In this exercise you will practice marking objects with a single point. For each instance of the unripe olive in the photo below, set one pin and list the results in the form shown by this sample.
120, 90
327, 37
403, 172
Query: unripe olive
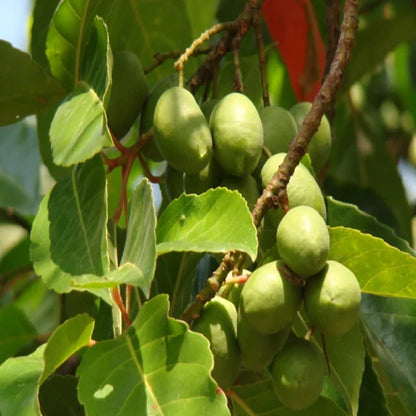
268, 302
257, 349
279, 127
237, 133
151, 150
209, 177
246, 185
301, 190
128, 92
181, 131
302, 239
320, 145
332, 299
298, 373
218, 322
173, 182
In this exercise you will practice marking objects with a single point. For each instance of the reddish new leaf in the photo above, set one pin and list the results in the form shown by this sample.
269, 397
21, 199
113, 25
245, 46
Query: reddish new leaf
293, 28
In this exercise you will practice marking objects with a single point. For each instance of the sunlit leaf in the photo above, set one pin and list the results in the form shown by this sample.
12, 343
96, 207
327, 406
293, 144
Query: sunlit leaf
157, 366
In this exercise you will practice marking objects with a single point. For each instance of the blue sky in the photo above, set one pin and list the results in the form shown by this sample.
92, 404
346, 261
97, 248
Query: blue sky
14, 22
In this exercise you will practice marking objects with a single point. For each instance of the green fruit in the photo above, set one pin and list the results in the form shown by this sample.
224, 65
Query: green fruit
128, 92
208, 106
298, 374
218, 322
173, 183
268, 302
181, 131
320, 145
279, 127
207, 178
151, 151
246, 185
332, 299
301, 190
303, 241
257, 349
237, 133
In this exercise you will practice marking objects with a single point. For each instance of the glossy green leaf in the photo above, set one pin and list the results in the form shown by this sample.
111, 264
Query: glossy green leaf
67, 339
348, 215
140, 247
175, 274
258, 399
97, 66
58, 395
158, 366
215, 221
365, 59
25, 87
16, 331
19, 168
380, 268
79, 128
68, 33
19, 384
69, 236
200, 21
390, 325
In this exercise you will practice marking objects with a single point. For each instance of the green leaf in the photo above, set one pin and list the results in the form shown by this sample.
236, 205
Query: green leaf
158, 366
215, 221
200, 21
67, 36
390, 326
258, 399
97, 66
348, 215
365, 59
19, 168
79, 128
19, 384
59, 394
25, 87
16, 331
380, 268
67, 339
69, 236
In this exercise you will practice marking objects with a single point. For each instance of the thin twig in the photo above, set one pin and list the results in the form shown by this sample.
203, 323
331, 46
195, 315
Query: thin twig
278, 184
11, 215
238, 74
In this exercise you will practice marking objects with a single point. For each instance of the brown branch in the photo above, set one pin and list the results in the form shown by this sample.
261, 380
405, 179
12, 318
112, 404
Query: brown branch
238, 74
11, 215
297, 149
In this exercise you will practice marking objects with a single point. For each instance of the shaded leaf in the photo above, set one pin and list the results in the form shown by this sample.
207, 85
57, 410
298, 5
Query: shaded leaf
16, 331
79, 128
25, 87
348, 215
19, 384
215, 221
67, 339
68, 237
19, 168
380, 268
390, 325
58, 396
157, 366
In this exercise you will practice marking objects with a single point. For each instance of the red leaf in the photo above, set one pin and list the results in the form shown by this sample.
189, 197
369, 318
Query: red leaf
293, 28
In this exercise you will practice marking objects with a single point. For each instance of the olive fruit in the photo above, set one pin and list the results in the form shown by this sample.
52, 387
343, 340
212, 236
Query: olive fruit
279, 127
207, 178
181, 131
298, 373
302, 239
237, 134
268, 302
257, 349
218, 322
246, 185
128, 92
320, 145
332, 299
151, 150
302, 188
